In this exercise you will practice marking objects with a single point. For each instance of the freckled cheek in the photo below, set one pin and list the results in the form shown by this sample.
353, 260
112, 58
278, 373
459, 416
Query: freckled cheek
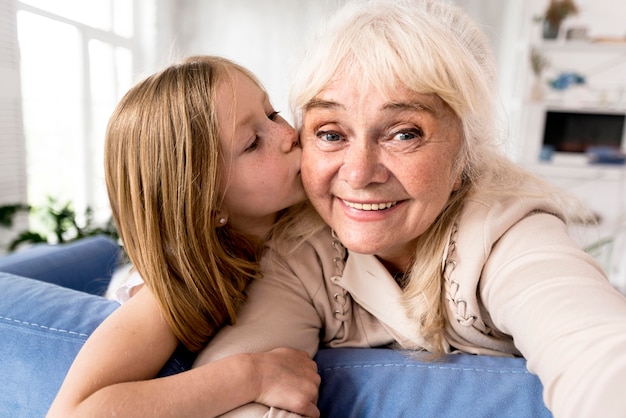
433, 178
307, 171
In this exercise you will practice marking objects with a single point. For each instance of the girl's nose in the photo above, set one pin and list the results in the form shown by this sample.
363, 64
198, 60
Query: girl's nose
290, 140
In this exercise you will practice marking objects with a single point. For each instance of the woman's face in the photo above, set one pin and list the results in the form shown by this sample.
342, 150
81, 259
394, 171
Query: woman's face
262, 159
379, 169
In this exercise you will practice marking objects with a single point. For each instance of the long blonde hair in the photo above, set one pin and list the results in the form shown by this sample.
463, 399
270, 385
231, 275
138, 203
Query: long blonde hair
429, 47
163, 164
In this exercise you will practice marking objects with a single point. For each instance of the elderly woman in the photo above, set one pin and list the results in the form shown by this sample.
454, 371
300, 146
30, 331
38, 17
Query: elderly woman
430, 237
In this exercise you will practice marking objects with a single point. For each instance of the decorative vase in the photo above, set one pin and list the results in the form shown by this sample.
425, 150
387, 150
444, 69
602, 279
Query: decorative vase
536, 91
550, 31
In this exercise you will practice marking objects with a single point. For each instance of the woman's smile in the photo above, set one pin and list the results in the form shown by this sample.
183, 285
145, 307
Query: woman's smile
369, 206
378, 171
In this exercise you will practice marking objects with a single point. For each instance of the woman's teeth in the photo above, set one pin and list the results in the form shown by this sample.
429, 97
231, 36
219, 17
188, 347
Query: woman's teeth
369, 206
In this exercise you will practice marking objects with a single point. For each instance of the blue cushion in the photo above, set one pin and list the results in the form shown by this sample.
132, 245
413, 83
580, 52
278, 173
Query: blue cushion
387, 383
42, 328
86, 264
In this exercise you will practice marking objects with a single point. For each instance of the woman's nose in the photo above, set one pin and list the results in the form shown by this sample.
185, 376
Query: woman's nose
362, 165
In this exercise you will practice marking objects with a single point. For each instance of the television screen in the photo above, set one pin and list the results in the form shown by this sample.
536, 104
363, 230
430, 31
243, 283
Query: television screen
577, 131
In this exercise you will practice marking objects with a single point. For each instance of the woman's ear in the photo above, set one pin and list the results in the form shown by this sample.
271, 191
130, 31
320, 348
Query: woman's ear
458, 181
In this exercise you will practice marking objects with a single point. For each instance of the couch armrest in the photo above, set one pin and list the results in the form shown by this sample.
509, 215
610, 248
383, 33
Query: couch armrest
369, 382
86, 264
42, 328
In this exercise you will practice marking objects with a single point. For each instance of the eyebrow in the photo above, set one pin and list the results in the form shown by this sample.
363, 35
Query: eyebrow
322, 104
419, 106
329, 104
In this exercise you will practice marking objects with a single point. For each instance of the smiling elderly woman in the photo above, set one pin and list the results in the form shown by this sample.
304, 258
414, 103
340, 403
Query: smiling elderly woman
431, 238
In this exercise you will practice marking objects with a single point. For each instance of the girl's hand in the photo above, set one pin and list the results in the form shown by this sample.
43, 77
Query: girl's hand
287, 379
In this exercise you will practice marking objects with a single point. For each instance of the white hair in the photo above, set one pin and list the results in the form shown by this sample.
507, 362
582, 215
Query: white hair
427, 46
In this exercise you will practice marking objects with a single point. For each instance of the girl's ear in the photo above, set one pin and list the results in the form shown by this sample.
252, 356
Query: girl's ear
220, 218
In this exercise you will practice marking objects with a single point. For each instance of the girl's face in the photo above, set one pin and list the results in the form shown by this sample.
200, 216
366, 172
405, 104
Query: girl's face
262, 158
379, 168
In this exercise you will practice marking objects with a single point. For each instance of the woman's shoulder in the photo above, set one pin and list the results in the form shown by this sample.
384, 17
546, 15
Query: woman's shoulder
484, 218
508, 207
317, 244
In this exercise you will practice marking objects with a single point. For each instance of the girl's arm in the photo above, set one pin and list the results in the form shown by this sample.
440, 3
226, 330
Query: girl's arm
113, 373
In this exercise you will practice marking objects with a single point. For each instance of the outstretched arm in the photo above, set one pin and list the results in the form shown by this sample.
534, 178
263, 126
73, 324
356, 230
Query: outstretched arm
113, 373
566, 319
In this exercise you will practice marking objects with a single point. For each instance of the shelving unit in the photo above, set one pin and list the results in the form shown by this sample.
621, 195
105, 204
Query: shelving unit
601, 187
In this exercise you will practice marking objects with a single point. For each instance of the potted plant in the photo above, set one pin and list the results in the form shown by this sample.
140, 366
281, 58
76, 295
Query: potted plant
554, 15
60, 224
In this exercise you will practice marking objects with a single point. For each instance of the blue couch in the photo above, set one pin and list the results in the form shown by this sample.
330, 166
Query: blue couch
43, 325
86, 265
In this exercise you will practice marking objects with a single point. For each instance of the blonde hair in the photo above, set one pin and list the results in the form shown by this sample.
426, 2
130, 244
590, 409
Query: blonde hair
163, 164
429, 47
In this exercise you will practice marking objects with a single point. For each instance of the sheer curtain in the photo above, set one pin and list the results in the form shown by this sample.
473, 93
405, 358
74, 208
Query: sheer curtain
12, 151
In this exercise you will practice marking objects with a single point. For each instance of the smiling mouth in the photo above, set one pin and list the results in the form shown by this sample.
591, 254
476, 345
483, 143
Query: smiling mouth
369, 206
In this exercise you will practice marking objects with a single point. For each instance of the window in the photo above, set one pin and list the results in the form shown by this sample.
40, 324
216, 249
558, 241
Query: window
76, 63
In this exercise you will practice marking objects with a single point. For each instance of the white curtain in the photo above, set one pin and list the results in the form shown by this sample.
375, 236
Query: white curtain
12, 150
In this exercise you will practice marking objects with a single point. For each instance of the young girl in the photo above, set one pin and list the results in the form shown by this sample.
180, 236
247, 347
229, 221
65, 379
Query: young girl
199, 167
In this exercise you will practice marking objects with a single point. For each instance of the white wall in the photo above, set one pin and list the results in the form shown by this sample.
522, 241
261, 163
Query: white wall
262, 35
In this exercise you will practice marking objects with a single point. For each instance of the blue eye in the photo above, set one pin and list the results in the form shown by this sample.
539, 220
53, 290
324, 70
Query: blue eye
405, 136
329, 136
408, 135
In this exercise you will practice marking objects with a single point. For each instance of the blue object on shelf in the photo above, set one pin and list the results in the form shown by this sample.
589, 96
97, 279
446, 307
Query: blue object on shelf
565, 80
605, 155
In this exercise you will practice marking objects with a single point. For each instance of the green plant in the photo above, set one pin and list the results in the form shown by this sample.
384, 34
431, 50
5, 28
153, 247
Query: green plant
558, 10
8, 212
59, 223
538, 61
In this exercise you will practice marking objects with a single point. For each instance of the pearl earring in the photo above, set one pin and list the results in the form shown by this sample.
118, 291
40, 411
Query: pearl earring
222, 221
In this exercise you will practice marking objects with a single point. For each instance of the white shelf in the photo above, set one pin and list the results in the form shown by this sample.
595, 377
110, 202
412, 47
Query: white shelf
574, 46
576, 168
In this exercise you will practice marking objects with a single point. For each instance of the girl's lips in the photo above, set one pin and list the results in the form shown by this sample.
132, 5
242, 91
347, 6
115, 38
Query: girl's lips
369, 206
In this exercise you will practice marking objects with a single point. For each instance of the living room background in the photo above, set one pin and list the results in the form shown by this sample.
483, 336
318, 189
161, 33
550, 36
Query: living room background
65, 64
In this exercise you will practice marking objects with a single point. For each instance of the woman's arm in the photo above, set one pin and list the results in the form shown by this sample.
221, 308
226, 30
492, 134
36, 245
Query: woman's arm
113, 374
280, 310
564, 316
